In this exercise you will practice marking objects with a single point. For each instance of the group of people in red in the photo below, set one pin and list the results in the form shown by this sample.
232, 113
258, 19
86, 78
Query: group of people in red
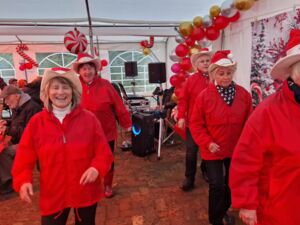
250, 158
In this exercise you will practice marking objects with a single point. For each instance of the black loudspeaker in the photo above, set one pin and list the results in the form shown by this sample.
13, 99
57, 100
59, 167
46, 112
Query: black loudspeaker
131, 69
157, 73
142, 134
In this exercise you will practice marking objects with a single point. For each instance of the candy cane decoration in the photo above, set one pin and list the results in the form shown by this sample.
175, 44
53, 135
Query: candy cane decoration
20, 50
147, 44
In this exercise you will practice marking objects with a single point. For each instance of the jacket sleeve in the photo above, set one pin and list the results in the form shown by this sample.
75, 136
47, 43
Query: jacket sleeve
248, 161
103, 155
198, 124
25, 159
122, 113
182, 103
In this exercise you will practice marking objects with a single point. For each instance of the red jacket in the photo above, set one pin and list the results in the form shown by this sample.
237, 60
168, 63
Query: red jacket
191, 89
64, 151
101, 98
214, 121
265, 168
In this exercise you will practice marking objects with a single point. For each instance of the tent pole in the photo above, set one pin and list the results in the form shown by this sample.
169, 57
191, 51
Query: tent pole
90, 27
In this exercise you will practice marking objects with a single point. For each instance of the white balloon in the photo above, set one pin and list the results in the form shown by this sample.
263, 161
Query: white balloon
179, 39
228, 9
207, 22
204, 43
174, 57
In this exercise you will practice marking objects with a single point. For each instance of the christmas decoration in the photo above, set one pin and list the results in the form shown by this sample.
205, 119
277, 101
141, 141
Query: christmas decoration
20, 50
75, 41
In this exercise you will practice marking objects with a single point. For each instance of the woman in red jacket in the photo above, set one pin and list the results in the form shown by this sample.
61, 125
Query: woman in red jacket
218, 118
100, 97
186, 100
72, 151
265, 170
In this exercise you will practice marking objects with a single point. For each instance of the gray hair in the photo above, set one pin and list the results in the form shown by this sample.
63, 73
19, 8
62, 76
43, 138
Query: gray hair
76, 96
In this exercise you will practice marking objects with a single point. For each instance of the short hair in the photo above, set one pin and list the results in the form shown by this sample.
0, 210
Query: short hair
76, 96
88, 63
213, 72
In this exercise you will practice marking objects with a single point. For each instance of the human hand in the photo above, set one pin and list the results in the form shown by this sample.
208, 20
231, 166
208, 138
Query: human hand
181, 123
128, 129
213, 147
89, 176
248, 216
26, 191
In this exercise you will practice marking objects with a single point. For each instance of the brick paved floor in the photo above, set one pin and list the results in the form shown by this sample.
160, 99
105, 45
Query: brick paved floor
147, 193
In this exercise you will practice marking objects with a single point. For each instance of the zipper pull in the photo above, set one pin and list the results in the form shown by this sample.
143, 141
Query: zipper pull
64, 139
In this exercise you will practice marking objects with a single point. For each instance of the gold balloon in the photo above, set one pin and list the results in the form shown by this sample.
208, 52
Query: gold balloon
174, 98
146, 51
198, 21
243, 5
214, 11
186, 28
194, 51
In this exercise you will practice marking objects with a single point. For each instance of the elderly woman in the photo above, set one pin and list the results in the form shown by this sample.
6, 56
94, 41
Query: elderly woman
265, 171
186, 100
100, 97
218, 118
72, 151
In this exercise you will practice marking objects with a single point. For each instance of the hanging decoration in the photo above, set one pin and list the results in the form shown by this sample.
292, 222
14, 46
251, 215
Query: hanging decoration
199, 34
75, 41
28, 61
147, 45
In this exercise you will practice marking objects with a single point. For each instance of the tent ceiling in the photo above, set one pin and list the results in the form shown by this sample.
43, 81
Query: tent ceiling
49, 18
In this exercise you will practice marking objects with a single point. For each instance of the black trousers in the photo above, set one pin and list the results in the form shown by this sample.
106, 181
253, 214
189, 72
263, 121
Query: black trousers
219, 192
112, 148
191, 156
83, 216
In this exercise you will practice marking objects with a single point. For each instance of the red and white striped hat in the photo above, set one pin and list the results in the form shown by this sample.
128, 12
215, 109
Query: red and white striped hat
282, 68
222, 58
86, 58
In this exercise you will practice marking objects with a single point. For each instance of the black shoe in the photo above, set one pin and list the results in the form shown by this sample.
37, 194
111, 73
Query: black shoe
6, 188
188, 184
228, 220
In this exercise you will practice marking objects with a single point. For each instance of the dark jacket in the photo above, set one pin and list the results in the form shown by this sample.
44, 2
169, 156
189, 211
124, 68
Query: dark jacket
21, 116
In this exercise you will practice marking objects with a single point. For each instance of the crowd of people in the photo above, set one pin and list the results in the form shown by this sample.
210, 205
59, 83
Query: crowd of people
250, 157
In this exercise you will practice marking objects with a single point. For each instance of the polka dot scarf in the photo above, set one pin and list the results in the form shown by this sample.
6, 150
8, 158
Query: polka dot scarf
227, 93
295, 89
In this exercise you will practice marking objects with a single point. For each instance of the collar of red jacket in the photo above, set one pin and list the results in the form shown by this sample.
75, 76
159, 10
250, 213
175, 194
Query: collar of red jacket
72, 114
91, 84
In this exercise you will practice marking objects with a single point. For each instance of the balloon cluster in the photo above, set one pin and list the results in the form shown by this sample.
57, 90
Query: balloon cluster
30, 62
147, 45
200, 33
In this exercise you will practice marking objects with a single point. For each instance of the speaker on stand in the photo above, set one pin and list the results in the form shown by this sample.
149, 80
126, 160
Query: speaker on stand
157, 75
131, 70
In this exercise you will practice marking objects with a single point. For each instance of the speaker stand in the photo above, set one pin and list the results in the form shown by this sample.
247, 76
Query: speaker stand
133, 86
161, 121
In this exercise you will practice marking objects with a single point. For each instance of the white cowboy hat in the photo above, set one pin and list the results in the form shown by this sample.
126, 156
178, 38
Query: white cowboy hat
86, 58
282, 68
222, 58
196, 56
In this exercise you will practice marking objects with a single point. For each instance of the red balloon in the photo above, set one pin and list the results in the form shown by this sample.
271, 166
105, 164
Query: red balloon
221, 22
175, 68
104, 62
190, 41
182, 50
235, 17
198, 33
174, 80
182, 76
22, 67
28, 66
143, 43
212, 33
186, 64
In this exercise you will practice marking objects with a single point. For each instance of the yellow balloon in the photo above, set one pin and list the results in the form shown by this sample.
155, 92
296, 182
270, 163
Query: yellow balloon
146, 51
174, 98
186, 28
198, 21
214, 11
243, 5
194, 51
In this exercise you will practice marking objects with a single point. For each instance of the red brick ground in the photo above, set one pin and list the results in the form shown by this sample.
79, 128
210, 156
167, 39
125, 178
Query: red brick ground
147, 193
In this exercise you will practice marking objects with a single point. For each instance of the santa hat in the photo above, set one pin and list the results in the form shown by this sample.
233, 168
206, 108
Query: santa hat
66, 73
282, 68
222, 58
83, 58
196, 56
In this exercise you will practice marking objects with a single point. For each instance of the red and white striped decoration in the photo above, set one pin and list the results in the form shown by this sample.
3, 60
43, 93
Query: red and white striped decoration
20, 50
75, 41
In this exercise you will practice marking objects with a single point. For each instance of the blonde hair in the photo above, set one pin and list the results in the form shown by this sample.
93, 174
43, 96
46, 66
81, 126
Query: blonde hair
213, 72
295, 71
76, 96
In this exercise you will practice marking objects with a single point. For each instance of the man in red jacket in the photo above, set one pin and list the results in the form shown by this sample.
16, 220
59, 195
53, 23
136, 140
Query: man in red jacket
192, 87
100, 97
265, 168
